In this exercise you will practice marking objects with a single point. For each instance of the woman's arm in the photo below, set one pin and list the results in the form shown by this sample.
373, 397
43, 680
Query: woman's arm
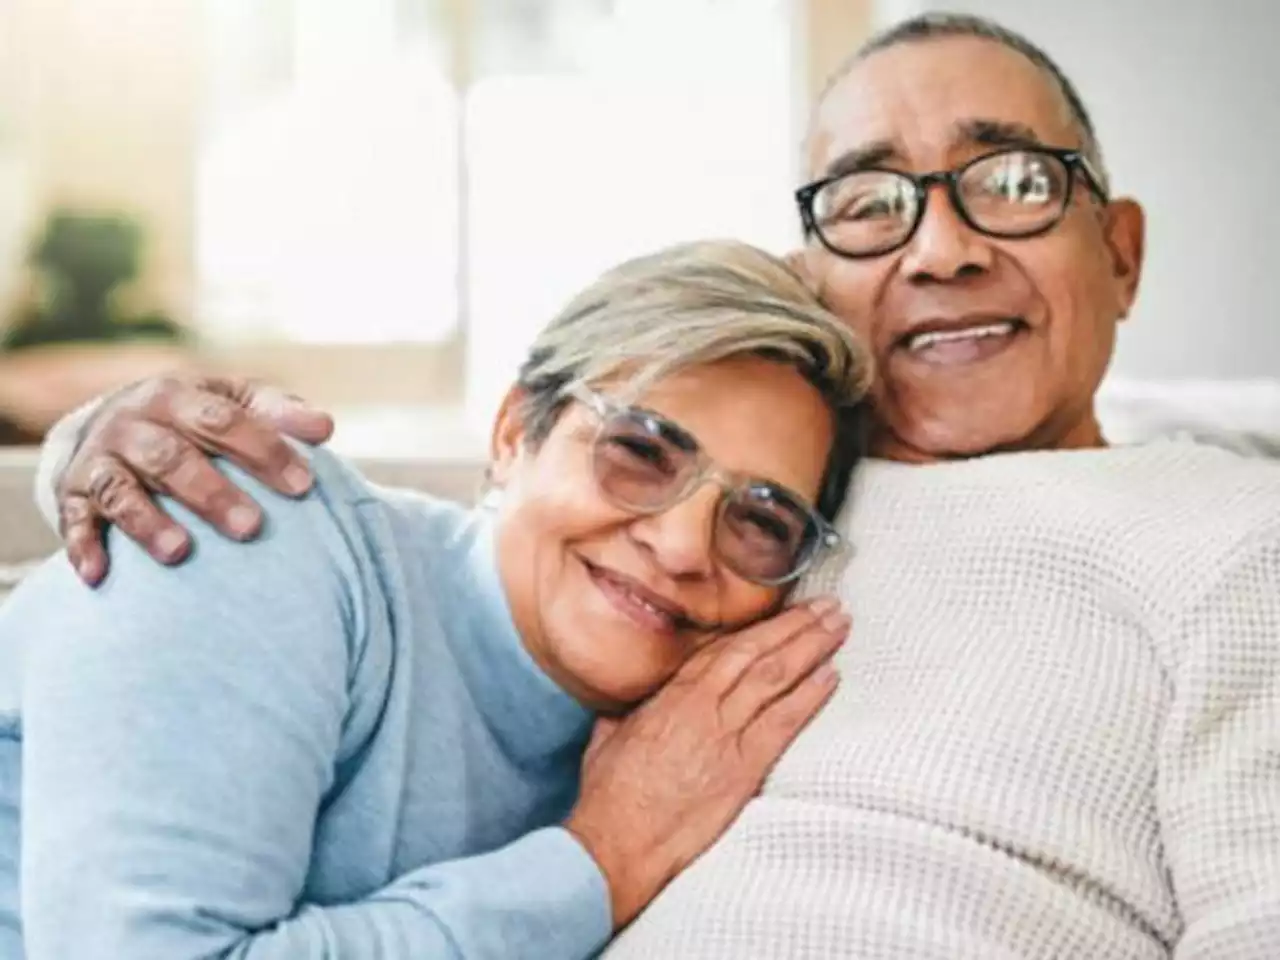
1219, 786
180, 733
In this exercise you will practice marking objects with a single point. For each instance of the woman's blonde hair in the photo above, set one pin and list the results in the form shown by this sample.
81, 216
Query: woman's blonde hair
695, 304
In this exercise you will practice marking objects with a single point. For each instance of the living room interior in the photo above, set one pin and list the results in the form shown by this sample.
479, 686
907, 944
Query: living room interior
377, 204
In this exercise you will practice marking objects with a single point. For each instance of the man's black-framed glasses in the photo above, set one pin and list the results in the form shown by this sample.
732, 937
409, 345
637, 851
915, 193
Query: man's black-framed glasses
1012, 193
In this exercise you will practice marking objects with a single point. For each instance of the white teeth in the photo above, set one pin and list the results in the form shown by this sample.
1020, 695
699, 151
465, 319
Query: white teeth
641, 601
922, 341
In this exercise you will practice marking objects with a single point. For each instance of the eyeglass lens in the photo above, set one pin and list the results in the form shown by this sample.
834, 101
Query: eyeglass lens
1013, 193
645, 463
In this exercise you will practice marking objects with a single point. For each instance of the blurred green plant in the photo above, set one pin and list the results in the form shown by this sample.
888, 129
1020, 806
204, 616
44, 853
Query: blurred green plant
82, 261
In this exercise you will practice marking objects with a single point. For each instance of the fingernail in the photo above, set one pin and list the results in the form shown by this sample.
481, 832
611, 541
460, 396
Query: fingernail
827, 673
297, 478
242, 520
823, 606
171, 543
836, 622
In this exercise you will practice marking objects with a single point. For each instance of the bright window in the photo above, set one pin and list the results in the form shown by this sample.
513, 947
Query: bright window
403, 171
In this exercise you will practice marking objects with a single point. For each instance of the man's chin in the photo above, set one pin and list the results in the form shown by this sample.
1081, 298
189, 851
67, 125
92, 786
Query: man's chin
940, 441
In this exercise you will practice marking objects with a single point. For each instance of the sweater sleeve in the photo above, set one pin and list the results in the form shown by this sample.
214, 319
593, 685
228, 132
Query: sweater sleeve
1219, 782
180, 731
59, 446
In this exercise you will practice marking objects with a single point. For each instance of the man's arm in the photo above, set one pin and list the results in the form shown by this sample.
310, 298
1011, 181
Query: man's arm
103, 464
59, 446
1219, 786
181, 729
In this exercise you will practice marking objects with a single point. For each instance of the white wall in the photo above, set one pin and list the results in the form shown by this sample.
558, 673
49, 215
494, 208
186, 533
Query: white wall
1186, 96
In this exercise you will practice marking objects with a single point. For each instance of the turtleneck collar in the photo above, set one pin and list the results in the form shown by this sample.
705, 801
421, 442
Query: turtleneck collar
533, 718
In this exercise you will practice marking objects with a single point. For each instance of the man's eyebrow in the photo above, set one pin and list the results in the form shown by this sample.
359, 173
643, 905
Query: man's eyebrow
980, 132
997, 133
868, 155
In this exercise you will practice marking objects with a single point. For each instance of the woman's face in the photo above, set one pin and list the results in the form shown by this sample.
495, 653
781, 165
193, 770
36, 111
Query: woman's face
611, 601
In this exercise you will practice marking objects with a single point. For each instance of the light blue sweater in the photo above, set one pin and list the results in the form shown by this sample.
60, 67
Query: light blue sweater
329, 743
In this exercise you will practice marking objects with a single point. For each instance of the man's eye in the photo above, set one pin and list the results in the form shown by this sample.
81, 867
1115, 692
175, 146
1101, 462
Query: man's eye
875, 205
879, 205
1021, 183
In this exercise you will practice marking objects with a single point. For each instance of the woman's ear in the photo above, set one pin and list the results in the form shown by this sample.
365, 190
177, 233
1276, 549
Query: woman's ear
507, 440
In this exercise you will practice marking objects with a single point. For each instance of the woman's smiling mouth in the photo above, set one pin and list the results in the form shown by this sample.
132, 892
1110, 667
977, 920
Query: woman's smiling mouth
640, 604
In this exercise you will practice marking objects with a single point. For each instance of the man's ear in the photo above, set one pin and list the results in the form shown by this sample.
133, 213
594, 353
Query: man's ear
507, 440
1126, 234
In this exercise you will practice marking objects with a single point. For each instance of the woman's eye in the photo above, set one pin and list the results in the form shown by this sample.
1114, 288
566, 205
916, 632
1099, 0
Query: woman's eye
764, 524
641, 451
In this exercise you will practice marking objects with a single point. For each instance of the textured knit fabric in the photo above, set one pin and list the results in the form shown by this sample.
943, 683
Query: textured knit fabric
329, 743
1057, 735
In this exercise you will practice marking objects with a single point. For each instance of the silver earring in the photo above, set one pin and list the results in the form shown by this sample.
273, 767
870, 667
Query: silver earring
490, 498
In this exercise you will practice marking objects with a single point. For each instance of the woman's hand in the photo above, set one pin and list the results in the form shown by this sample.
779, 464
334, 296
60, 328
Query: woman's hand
158, 437
662, 784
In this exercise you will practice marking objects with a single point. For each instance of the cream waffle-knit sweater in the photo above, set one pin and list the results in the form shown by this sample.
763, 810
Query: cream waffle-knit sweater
1057, 736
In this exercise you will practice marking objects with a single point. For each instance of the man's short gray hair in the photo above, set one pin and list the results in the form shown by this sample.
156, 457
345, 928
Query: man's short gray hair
695, 304
935, 25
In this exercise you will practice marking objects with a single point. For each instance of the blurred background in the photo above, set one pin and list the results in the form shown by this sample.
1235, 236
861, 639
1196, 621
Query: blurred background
378, 202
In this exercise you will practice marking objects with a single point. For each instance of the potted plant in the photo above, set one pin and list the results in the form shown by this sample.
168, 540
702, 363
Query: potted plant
75, 338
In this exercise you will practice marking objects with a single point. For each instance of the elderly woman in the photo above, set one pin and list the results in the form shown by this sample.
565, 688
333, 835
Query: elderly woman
363, 735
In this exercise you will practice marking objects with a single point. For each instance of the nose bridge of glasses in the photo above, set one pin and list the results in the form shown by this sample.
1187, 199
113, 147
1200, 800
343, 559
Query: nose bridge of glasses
944, 240
947, 184
681, 532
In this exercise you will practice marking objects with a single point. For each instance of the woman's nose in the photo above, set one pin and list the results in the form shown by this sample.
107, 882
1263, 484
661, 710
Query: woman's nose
681, 537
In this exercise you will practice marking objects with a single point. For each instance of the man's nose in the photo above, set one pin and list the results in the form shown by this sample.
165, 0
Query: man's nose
680, 538
945, 247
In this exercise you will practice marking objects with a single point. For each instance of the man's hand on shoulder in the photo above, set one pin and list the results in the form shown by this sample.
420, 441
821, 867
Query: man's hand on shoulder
158, 437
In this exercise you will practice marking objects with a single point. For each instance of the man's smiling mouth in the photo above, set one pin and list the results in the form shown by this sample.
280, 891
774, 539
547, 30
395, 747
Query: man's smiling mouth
946, 344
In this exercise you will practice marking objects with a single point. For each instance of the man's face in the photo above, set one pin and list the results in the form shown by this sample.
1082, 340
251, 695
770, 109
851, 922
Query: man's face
1047, 305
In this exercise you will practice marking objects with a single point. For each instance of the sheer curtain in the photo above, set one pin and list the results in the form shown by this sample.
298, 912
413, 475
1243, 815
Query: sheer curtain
598, 130
327, 188
398, 171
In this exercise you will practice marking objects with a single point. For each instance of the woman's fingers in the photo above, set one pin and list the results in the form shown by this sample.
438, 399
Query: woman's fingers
720, 665
776, 673
660, 785
781, 721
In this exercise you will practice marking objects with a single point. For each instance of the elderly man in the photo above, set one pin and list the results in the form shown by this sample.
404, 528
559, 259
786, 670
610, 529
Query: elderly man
1058, 733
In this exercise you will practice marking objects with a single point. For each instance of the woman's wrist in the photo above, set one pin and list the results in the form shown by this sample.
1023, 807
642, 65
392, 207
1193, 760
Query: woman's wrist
631, 880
